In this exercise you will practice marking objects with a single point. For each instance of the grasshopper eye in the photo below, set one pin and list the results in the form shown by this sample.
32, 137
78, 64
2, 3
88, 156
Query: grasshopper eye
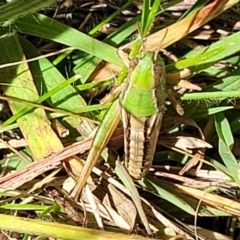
159, 73
157, 69
133, 63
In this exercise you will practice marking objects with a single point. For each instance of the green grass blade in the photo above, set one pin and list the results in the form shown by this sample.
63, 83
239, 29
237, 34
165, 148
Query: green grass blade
24, 207
225, 144
59, 231
223, 129
199, 60
109, 18
144, 16
89, 86
229, 160
29, 106
166, 193
151, 15
19, 8
213, 96
123, 32
229, 83
47, 28
209, 111
129, 184
19, 82
203, 58
235, 124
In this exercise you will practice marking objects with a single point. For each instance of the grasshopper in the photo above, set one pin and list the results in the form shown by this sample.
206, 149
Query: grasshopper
141, 105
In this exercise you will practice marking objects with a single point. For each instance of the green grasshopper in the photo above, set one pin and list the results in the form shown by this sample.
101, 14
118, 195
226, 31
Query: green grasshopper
141, 106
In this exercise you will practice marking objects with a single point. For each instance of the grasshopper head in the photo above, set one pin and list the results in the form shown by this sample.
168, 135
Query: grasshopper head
147, 72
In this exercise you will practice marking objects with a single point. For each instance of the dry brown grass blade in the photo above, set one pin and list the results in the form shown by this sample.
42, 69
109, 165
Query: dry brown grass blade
222, 203
182, 28
110, 201
113, 205
187, 25
14, 180
122, 204
156, 218
73, 168
65, 204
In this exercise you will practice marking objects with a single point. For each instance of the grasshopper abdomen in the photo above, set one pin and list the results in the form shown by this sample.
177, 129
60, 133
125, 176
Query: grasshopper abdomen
140, 140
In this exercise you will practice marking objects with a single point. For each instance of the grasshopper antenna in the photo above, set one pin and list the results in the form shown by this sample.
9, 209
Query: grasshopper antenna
160, 44
141, 38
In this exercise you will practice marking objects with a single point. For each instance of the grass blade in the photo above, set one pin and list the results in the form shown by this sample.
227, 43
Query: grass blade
15, 9
166, 193
225, 145
223, 129
58, 231
129, 184
19, 82
47, 28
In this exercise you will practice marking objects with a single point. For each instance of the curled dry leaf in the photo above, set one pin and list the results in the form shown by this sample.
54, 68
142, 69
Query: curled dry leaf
189, 85
184, 143
60, 129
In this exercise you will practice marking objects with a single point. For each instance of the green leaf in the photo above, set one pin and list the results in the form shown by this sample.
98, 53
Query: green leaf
47, 28
129, 184
229, 160
167, 193
201, 59
58, 231
15, 9
223, 129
